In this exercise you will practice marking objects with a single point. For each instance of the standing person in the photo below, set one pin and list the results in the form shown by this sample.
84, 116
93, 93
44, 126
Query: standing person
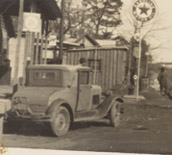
162, 78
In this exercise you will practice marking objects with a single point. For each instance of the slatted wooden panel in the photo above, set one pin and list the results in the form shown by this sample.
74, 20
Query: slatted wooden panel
112, 65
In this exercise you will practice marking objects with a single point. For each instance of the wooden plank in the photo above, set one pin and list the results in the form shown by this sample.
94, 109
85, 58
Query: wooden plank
108, 70
119, 68
123, 69
67, 58
19, 32
45, 50
92, 57
114, 66
25, 57
122, 66
88, 55
77, 57
37, 48
105, 70
99, 72
119, 76
72, 58
73, 54
117, 55
32, 47
111, 69
41, 49
125, 63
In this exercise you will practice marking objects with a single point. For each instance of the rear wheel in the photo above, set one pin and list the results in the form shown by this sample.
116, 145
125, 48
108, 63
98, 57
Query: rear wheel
115, 115
60, 121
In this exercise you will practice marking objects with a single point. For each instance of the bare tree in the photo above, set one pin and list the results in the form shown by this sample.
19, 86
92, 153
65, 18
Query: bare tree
73, 18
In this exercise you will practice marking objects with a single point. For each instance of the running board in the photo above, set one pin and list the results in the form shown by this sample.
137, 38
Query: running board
87, 116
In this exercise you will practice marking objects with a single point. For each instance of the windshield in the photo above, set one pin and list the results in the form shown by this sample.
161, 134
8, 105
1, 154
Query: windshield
49, 78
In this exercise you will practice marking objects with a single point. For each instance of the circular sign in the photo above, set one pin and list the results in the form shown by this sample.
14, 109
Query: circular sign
31, 22
144, 10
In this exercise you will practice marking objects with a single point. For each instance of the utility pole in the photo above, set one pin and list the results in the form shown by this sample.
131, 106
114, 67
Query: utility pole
19, 32
61, 32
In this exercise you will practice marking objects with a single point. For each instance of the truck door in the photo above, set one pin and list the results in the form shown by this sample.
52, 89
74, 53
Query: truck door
84, 91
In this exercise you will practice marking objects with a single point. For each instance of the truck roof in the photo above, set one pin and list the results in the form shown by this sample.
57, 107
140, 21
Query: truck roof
55, 66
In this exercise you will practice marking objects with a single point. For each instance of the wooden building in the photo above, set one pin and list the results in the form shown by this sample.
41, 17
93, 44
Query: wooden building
22, 47
108, 64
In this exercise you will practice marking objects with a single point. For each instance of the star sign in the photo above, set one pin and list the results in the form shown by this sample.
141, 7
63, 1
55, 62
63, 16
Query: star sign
144, 9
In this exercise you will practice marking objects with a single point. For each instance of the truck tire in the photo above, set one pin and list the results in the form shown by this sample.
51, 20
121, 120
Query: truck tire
115, 115
60, 121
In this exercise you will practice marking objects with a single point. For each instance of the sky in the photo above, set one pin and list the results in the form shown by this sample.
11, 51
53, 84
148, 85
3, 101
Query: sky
158, 32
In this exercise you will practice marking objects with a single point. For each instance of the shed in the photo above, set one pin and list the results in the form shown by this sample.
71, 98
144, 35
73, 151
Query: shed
108, 64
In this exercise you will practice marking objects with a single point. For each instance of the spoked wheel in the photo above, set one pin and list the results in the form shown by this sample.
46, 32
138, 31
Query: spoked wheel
60, 121
115, 115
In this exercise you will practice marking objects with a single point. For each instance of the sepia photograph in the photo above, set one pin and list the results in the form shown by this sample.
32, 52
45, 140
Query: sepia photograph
85, 77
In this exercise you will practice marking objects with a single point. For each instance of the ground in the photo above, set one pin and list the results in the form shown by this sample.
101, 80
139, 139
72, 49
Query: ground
145, 128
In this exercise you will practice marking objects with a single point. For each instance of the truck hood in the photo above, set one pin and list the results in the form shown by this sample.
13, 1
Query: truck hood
37, 95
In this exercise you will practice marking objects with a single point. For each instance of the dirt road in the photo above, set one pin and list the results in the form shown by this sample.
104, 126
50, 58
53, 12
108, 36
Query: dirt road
145, 128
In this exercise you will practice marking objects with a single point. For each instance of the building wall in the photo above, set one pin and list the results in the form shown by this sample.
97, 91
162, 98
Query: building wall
12, 57
112, 66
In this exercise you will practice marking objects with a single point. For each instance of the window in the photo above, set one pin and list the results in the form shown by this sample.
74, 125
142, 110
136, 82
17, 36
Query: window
84, 77
45, 75
46, 78
95, 64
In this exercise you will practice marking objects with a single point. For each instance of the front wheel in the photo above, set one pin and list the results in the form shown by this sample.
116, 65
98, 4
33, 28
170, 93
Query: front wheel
115, 114
60, 121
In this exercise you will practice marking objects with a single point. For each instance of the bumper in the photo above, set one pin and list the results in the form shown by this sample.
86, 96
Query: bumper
13, 115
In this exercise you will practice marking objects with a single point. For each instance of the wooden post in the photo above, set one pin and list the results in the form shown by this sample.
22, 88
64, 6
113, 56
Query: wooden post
2, 111
19, 32
37, 50
25, 57
41, 49
32, 47
46, 42
61, 31
45, 51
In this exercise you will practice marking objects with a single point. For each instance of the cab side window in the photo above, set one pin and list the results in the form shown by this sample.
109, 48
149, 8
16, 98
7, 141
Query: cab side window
84, 77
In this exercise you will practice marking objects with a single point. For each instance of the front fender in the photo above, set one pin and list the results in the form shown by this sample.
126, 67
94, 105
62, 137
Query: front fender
105, 107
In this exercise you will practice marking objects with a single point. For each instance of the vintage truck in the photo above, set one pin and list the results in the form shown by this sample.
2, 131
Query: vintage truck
60, 95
